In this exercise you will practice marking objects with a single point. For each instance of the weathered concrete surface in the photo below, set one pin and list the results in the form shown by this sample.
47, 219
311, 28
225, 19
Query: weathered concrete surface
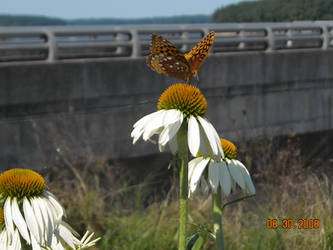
84, 106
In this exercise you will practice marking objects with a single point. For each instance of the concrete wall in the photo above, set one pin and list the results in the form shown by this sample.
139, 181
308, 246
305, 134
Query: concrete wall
67, 110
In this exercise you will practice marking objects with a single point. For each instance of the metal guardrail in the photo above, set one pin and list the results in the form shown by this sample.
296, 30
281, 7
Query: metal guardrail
53, 43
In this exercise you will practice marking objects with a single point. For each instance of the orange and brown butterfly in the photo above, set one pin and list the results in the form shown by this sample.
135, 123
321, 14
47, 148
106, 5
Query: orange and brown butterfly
166, 59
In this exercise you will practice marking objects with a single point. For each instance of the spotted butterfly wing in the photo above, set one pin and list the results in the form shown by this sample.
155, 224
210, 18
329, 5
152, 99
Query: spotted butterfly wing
166, 59
198, 54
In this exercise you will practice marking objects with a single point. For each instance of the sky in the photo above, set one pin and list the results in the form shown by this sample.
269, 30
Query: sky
72, 9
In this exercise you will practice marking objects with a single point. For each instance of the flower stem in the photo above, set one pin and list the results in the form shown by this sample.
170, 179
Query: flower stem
183, 184
217, 217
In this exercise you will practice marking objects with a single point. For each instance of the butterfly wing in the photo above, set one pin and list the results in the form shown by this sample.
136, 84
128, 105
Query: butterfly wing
198, 54
166, 59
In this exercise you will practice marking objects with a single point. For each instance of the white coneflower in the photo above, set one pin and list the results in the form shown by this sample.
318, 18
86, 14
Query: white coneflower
33, 212
181, 104
6, 241
225, 172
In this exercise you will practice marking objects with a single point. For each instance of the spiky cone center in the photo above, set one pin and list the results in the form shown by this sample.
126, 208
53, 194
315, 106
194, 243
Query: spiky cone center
229, 149
184, 97
21, 183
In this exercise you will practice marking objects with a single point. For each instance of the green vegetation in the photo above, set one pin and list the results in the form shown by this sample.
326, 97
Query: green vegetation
275, 11
143, 214
26, 20
152, 20
23, 20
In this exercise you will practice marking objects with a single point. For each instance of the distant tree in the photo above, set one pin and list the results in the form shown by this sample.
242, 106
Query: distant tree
23, 20
275, 11
153, 20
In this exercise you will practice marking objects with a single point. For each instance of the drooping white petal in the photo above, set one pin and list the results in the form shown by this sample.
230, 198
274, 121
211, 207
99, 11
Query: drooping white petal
217, 139
146, 118
8, 217
204, 148
225, 179
205, 187
196, 168
48, 220
34, 244
140, 126
191, 166
19, 221
247, 177
52, 212
41, 222
168, 133
154, 126
236, 173
56, 243
173, 121
193, 136
172, 116
173, 145
161, 148
16, 244
59, 209
213, 174
4, 241
31, 221
210, 136
66, 235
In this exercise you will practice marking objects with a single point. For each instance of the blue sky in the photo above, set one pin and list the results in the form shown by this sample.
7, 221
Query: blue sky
111, 8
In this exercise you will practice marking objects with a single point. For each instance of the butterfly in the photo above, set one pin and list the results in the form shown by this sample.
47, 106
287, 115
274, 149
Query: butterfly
166, 59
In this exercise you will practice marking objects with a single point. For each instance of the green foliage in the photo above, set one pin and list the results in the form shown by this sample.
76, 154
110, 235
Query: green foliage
152, 20
194, 242
26, 20
129, 214
275, 11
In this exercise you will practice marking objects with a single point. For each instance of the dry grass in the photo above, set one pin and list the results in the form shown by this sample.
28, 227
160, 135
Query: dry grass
132, 214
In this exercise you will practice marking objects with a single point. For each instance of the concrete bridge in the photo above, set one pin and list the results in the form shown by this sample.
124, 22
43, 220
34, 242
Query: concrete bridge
66, 92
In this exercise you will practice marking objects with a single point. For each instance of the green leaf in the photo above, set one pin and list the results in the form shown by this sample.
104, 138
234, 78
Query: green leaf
203, 229
194, 242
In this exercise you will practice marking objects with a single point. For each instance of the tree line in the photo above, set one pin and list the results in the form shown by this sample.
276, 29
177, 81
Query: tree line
247, 11
275, 11
27, 20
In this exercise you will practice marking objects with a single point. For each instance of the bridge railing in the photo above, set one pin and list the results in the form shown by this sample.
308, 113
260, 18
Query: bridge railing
53, 43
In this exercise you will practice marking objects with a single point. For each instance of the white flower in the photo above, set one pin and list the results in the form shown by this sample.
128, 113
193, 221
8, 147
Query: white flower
224, 173
10, 242
179, 104
40, 224
201, 135
33, 214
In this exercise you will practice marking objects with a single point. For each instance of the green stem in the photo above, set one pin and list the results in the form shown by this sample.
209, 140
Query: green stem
183, 184
217, 217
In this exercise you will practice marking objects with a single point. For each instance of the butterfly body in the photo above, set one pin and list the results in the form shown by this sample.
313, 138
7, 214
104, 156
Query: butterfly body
166, 59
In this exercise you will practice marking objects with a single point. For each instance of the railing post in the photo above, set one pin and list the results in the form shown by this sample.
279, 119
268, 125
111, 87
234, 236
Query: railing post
136, 46
185, 36
241, 35
270, 39
52, 45
325, 37
120, 37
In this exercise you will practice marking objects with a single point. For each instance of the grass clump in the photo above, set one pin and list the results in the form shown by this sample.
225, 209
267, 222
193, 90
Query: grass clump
135, 209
